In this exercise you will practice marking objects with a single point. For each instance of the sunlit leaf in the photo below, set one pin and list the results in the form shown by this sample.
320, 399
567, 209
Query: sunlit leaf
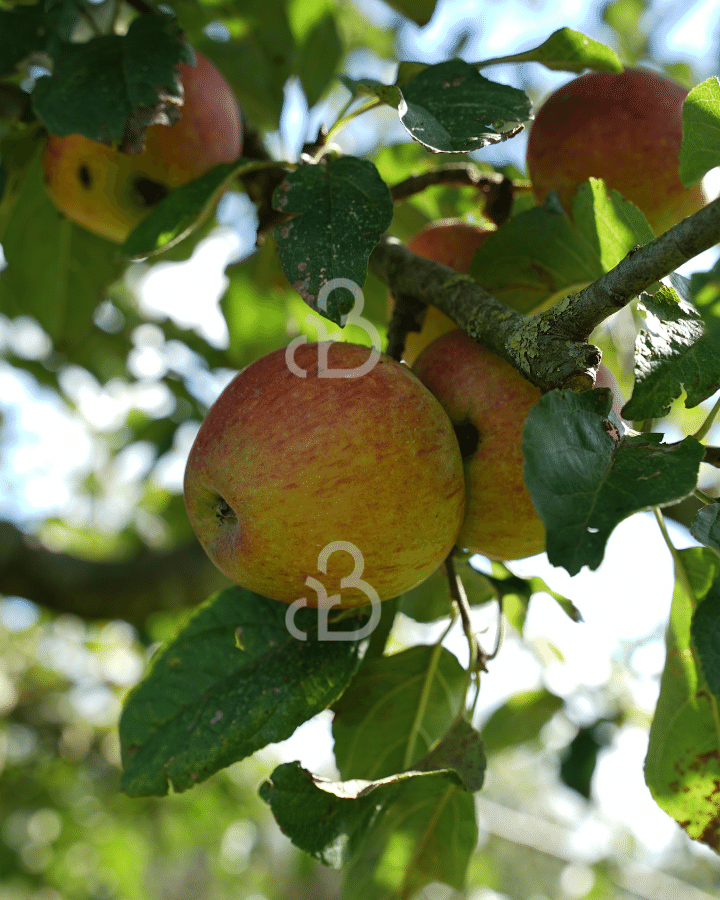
568, 51
682, 767
700, 150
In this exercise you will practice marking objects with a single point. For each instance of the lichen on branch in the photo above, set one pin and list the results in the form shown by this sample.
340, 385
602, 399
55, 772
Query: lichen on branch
550, 348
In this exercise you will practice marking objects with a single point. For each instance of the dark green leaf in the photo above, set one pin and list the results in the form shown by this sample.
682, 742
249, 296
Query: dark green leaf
584, 479
96, 85
367, 826
706, 526
451, 108
260, 58
461, 750
23, 30
425, 833
418, 11
231, 682
705, 633
580, 758
341, 208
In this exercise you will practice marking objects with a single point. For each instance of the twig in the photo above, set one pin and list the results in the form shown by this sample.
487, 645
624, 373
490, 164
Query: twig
712, 456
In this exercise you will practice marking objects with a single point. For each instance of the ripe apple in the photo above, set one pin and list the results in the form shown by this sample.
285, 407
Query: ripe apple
625, 128
284, 465
109, 192
453, 243
487, 401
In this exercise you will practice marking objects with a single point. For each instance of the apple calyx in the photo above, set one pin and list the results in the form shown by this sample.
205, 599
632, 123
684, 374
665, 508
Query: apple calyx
224, 511
468, 437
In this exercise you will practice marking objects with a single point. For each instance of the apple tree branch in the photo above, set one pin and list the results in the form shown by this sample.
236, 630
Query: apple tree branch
550, 348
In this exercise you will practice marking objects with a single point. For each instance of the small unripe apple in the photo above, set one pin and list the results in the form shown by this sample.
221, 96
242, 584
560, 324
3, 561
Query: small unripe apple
284, 465
625, 128
453, 243
108, 192
488, 402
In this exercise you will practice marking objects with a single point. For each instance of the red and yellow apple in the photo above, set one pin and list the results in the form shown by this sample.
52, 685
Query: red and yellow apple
487, 401
453, 243
625, 128
284, 465
108, 192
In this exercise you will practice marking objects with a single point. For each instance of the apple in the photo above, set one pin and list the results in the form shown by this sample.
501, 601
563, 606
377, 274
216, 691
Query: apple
284, 465
625, 128
108, 192
453, 243
487, 401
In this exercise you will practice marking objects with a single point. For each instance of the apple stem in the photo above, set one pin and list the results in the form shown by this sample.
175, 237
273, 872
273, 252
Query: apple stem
459, 596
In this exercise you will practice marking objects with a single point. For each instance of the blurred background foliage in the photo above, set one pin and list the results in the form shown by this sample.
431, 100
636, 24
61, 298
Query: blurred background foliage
103, 382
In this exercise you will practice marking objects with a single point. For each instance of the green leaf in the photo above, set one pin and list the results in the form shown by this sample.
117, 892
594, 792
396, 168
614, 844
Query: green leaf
682, 766
430, 600
231, 682
567, 51
700, 150
706, 526
705, 633
23, 30
395, 709
672, 353
392, 836
540, 254
519, 720
580, 757
451, 108
418, 11
625, 18
389, 94
341, 208
462, 750
584, 479
184, 209
96, 85
259, 59
424, 833
320, 56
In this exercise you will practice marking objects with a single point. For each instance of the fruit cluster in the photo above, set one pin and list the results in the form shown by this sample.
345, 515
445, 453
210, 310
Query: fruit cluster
399, 464
373, 478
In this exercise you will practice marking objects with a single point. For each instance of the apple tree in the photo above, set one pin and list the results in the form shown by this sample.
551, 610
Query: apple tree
117, 160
